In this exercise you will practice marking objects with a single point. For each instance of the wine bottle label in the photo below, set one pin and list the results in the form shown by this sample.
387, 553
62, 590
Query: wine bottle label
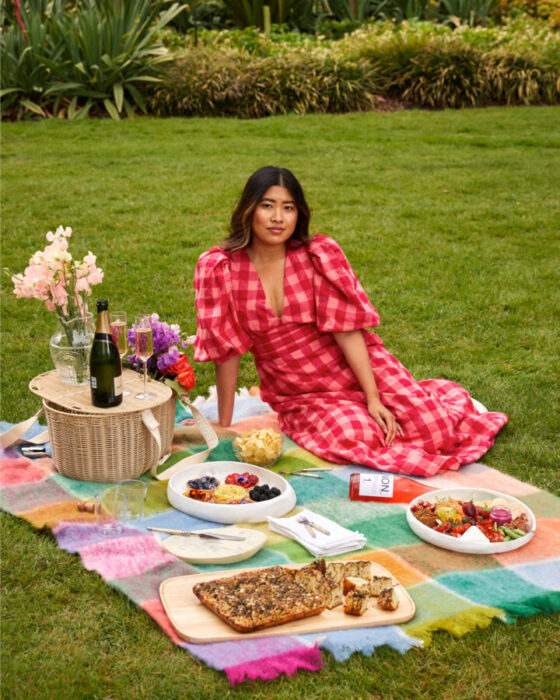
376, 485
118, 386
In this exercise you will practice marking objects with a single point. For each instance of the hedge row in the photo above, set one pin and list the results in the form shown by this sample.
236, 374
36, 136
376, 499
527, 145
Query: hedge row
426, 73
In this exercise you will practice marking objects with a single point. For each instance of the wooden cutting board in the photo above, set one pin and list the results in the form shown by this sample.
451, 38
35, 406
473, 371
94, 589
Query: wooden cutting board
195, 623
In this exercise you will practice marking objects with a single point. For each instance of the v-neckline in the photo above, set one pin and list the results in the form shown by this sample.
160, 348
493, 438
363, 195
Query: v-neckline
263, 291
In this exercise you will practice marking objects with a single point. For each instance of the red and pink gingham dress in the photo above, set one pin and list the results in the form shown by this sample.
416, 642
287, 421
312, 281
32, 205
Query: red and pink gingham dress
305, 377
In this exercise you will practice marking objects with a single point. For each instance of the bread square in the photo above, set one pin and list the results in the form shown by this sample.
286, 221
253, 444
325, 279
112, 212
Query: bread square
356, 602
258, 599
388, 599
380, 583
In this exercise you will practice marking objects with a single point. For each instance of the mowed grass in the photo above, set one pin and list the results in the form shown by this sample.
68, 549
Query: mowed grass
451, 220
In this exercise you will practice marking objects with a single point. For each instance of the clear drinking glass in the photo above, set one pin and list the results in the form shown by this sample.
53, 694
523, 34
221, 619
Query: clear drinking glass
110, 511
135, 491
144, 348
119, 331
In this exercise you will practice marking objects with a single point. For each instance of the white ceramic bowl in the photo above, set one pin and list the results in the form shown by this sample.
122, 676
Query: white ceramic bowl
467, 546
224, 512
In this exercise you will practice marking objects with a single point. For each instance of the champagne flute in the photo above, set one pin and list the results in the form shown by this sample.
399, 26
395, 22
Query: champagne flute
119, 331
143, 348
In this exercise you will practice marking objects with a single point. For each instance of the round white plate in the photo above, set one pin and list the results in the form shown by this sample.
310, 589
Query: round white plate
468, 545
198, 550
225, 512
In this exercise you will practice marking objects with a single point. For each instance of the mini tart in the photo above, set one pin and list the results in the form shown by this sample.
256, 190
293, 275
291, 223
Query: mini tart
229, 493
204, 495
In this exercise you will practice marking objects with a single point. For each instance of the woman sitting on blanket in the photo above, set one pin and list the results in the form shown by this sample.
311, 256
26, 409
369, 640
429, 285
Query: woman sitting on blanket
296, 304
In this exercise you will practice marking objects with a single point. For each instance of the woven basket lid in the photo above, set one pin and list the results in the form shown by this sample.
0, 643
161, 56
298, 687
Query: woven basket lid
78, 398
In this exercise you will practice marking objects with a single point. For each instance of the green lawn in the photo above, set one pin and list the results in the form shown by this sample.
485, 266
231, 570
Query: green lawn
451, 220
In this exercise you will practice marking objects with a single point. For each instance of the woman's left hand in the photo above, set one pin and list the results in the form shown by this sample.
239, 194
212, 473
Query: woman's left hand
385, 420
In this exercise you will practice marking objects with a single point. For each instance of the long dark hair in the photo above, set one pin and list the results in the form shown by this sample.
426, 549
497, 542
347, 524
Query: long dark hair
259, 182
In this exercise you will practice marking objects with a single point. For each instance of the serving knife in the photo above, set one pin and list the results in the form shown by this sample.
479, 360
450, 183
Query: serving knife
198, 534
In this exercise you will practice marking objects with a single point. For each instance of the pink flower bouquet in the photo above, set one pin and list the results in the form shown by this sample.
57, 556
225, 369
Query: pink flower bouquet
53, 276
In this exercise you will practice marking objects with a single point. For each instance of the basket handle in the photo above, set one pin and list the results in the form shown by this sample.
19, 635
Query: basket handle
208, 433
16, 432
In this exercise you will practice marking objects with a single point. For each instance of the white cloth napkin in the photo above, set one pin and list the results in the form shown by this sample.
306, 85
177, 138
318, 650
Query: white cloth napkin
338, 541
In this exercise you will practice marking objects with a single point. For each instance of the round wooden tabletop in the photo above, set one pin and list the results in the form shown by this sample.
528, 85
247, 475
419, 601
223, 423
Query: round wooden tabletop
78, 398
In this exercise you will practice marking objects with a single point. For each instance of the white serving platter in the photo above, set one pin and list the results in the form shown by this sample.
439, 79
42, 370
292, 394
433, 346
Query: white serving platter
468, 545
199, 550
224, 512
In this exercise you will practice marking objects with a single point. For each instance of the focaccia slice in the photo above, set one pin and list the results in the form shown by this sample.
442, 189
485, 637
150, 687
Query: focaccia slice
380, 583
388, 599
356, 602
258, 599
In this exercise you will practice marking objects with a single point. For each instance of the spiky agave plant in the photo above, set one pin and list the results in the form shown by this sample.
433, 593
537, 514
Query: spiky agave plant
97, 55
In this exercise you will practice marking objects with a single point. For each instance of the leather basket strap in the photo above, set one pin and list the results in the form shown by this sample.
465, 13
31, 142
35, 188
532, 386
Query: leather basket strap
16, 433
206, 430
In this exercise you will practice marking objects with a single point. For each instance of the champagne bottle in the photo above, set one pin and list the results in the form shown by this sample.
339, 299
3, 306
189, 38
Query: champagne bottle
105, 362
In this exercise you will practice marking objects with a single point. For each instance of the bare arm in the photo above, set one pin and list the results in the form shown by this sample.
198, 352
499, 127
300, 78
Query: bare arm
226, 381
354, 348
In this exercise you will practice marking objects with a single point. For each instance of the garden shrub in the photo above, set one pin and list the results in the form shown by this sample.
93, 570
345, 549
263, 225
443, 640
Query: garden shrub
245, 73
418, 68
228, 82
515, 78
434, 72
543, 9
438, 75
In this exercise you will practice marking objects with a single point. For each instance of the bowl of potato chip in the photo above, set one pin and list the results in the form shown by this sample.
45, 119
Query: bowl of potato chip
261, 447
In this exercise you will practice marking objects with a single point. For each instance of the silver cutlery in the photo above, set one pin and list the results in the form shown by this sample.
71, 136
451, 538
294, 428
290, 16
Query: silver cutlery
34, 451
311, 527
301, 473
208, 535
315, 469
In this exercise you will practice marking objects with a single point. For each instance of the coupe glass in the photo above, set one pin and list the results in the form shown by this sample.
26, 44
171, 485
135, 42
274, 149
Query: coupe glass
143, 348
119, 331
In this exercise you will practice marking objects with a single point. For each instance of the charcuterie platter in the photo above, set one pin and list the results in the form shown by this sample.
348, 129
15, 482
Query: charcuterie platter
472, 521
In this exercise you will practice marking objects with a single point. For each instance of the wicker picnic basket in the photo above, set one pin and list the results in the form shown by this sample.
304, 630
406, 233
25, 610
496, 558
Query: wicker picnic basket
106, 445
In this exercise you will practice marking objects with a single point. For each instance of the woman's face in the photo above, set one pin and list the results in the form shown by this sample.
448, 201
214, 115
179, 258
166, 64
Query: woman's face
275, 217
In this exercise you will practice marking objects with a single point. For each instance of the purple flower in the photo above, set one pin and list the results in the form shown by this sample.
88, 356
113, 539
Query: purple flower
167, 359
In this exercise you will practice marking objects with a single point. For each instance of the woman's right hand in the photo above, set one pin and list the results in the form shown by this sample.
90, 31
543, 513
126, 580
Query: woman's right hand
385, 420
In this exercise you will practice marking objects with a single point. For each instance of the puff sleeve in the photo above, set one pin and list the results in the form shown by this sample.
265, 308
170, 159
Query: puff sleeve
219, 335
340, 301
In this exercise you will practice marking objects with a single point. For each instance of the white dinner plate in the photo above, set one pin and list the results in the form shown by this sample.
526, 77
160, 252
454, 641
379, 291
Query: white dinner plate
224, 512
468, 545
198, 550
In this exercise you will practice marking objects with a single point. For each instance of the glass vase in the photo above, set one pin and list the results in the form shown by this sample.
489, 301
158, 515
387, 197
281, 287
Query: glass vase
70, 347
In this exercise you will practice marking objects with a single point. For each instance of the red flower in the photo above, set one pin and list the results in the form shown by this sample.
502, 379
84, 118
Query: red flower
182, 371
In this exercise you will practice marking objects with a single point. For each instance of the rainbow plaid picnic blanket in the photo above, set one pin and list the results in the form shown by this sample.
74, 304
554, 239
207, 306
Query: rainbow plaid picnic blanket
453, 592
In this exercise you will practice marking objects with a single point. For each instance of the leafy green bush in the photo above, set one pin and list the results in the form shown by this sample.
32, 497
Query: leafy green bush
228, 82
94, 56
417, 65
447, 71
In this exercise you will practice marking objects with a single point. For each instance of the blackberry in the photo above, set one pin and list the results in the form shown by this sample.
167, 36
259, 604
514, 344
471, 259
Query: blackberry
263, 493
